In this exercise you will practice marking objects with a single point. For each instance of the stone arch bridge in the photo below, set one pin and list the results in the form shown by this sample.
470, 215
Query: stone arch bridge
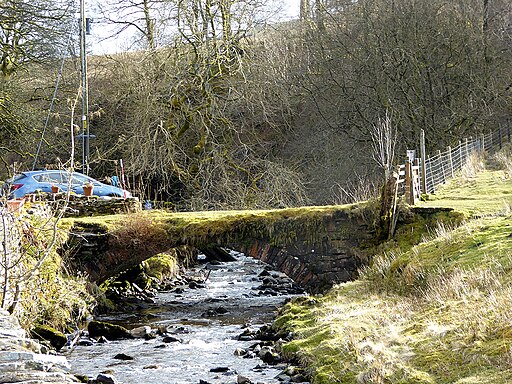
315, 246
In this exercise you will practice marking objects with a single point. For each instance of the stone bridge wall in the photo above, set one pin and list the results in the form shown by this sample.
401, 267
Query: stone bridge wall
316, 251
333, 256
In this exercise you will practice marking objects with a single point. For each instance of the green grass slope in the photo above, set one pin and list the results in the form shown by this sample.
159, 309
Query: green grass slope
437, 312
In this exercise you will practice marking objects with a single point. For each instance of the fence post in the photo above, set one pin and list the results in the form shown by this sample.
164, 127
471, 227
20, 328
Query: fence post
499, 137
431, 175
442, 166
417, 180
423, 162
508, 130
450, 161
460, 153
467, 151
409, 177
482, 140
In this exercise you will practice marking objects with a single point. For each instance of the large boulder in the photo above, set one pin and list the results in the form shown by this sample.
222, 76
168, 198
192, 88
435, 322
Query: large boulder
109, 331
46, 333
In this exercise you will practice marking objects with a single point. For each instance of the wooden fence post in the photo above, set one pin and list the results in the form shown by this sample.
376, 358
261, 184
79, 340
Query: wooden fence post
499, 137
440, 155
460, 153
409, 177
467, 151
450, 161
423, 162
431, 174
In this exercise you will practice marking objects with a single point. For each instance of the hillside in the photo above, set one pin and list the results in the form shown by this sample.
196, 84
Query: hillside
438, 312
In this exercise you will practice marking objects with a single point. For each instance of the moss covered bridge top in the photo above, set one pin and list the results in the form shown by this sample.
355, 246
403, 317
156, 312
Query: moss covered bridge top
316, 246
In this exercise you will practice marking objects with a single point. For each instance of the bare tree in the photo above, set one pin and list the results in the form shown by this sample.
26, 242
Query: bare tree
33, 30
384, 139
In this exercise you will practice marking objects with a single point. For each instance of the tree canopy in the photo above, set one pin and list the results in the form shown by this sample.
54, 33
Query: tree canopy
223, 106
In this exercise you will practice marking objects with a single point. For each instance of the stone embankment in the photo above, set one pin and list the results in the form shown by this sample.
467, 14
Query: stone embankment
23, 360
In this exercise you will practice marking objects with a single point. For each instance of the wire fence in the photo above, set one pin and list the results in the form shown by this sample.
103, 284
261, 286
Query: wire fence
425, 174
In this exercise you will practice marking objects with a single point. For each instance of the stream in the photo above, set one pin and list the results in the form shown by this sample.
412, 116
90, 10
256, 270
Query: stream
207, 321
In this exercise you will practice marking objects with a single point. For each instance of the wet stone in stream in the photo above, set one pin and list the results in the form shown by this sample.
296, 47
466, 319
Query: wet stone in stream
208, 331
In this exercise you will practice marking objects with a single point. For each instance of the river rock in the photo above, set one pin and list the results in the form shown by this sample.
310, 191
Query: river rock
269, 356
152, 366
266, 333
87, 342
179, 331
247, 335
46, 333
21, 360
110, 331
141, 332
284, 378
171, 339
213, 312
195, 285
219, 369
105, 379
122, 356
242, 380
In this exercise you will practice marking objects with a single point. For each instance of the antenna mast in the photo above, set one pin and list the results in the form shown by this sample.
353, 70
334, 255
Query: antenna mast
85, 91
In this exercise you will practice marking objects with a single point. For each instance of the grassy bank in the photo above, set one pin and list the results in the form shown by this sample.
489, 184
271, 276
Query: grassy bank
437, 312
36, 284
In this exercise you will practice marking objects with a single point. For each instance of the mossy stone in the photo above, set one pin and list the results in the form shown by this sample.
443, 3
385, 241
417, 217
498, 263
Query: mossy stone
46, 333
110, 331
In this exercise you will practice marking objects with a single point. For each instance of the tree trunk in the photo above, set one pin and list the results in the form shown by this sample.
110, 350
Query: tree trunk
150, 31
305, 7
387, 201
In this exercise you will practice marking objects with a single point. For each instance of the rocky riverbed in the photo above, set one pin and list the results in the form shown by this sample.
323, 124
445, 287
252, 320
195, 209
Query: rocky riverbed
212, 331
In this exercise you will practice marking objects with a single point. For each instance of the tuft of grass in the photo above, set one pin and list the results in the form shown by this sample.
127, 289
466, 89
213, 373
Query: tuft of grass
503, 159
474, 165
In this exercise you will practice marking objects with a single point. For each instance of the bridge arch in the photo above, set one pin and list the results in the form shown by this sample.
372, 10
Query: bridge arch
315, 246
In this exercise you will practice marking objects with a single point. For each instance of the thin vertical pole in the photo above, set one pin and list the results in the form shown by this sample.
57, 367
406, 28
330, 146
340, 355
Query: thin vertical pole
442, 165
409, 188
85, 91
467, 151
423, 162
416, 180
450, 161
460, 154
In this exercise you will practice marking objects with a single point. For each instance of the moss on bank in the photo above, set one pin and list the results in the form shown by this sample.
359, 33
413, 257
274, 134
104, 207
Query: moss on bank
36, 284
435, 312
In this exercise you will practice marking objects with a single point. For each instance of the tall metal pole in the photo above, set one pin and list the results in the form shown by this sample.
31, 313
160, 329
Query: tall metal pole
85, 92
